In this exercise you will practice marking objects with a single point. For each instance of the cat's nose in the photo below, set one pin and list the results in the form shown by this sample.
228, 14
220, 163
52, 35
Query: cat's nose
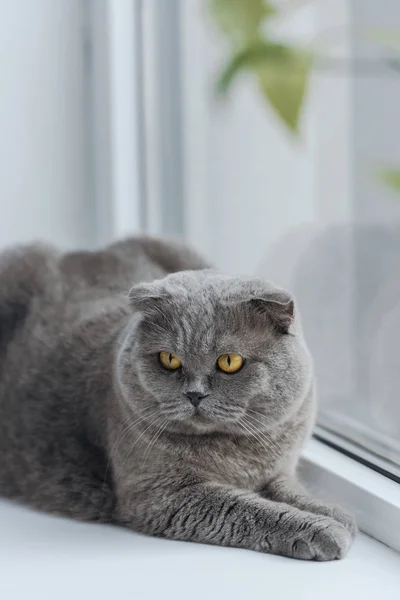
195, 397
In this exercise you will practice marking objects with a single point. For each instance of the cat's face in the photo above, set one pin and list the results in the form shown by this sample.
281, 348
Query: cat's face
214, 353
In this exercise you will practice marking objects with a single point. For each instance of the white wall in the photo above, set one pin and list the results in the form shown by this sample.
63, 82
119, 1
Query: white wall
44, 172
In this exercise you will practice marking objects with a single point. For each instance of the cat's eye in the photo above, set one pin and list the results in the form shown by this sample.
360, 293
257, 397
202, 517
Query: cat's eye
169, 361
230, 363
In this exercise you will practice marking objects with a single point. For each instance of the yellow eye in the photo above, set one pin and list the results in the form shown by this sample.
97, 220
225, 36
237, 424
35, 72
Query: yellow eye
230, 363
169, 361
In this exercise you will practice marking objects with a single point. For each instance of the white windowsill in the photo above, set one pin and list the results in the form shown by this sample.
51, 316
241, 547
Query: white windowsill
43, 557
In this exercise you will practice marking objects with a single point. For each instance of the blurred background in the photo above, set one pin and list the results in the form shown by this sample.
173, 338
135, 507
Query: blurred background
265, 133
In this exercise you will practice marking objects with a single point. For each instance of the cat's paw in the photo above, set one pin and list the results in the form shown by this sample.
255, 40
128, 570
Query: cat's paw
317, 538
346, 519
326, 540
340, 516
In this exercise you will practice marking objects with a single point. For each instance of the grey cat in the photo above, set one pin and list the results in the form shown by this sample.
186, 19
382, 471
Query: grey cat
178, 409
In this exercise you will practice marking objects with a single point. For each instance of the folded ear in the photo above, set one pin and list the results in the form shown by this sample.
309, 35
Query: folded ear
279, 306
263, 298
147, 297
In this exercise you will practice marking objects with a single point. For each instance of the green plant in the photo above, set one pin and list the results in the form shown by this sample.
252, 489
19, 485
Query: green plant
281, 70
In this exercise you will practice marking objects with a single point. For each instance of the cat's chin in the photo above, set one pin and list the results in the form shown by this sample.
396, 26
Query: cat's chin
196, 424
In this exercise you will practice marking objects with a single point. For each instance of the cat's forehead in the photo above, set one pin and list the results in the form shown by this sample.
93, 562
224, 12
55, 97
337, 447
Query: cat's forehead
203, 311
207, 284
201, 326
215, 285
200, 319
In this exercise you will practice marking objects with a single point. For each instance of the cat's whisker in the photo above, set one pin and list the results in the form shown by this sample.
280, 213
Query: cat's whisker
256, 412
154, 439
246, 433
129, 427
153, 424
278, 437
253, 434
271, 443
262, 423
265, 442
124, 424
266, 423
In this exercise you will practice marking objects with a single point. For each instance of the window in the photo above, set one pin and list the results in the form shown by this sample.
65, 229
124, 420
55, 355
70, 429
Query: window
317, 212
314, 214
351, 298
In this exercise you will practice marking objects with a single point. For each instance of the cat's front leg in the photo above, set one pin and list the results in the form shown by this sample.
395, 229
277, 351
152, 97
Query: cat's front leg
226, 516
289, 490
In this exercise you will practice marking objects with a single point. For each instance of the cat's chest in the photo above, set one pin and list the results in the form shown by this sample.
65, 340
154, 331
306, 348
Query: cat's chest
247, 466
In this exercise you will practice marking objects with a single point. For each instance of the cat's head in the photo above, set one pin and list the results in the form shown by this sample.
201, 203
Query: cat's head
209, 352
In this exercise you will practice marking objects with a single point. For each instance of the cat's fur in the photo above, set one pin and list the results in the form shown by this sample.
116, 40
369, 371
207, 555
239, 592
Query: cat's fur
93, 427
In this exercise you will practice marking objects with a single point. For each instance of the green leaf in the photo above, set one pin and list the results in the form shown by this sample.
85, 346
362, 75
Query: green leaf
282, 73
391, 177
251, 58
241, 19
284, 84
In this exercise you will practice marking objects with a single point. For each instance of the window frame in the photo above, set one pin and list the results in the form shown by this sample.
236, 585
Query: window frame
113, 77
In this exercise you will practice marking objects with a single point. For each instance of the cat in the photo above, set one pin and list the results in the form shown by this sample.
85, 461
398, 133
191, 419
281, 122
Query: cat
178, 408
